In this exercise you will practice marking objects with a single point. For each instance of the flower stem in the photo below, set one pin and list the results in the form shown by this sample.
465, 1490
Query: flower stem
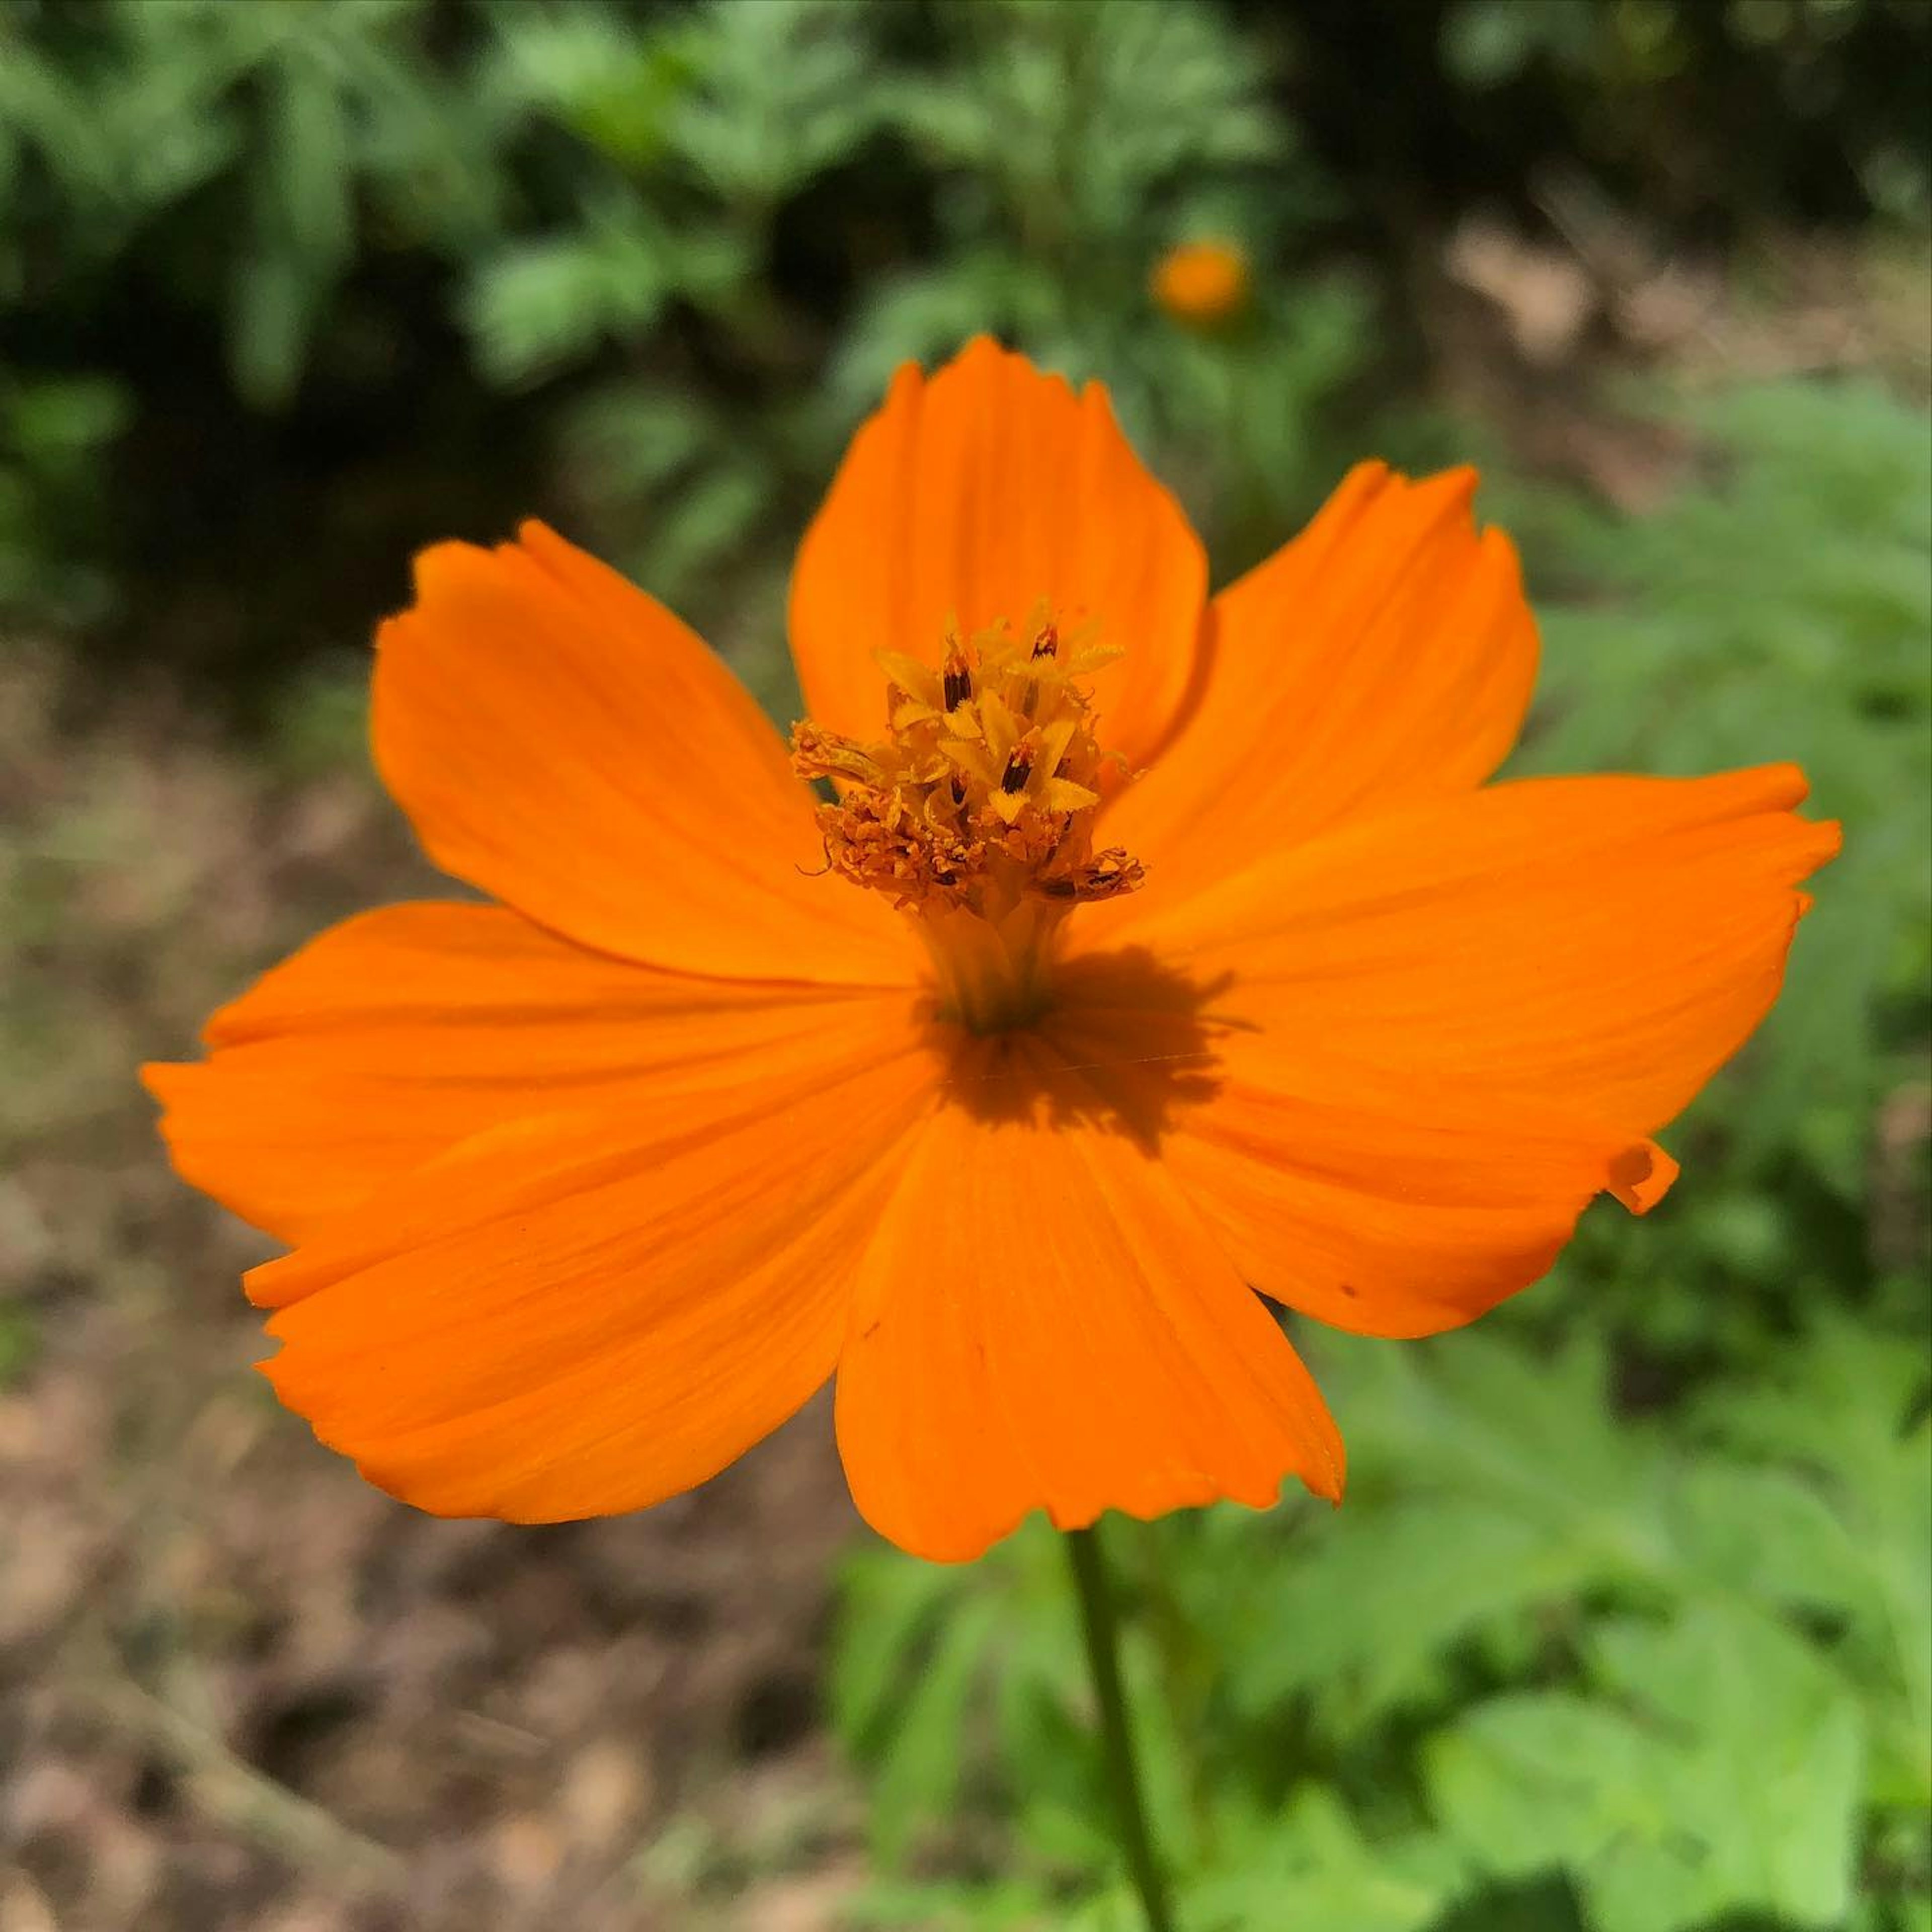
1098, 1627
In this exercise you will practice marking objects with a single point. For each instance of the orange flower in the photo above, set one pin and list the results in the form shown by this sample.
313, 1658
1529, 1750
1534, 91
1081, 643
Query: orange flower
1200, 283
1156, 950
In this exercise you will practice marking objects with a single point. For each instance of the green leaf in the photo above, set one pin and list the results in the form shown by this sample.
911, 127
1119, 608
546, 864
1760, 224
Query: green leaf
537, 307
895, 1603
1729, 1779
1846, 1402
919, 1769
780, 93
1312, 1859
1772, 1760
1769, 1535
269, 324
1470, 1565
303, 221
709, 517
1541, 1778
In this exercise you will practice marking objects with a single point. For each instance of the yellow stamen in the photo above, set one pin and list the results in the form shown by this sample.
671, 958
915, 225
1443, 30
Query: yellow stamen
974, 814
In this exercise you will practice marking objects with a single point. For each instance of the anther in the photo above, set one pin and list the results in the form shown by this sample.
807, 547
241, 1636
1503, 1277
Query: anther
980, 800
956, 677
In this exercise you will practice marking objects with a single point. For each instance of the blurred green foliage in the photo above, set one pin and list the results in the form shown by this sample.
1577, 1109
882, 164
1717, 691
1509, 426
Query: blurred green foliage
609, 199
243, 155
1626, 1623
1051, 154
1812, 60
687, 242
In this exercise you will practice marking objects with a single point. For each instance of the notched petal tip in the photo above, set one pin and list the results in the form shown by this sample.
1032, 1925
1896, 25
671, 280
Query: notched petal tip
1325, 1478
263, 1285
434, 565
158, 1077
1780, 787
399, 1487
167, 1083
1334, 1482
980, 345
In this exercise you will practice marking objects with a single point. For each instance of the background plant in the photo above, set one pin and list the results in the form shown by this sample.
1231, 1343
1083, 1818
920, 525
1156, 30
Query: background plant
671, 251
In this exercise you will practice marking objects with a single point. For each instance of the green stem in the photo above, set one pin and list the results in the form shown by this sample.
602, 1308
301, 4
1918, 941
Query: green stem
1098, 1627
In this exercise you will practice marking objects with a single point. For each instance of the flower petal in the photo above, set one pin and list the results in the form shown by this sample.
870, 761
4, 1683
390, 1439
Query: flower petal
560, 740
1435, 1036
1385, 655
1390, 1205
1041, 1321
392, 1036
970, 497
584, 1315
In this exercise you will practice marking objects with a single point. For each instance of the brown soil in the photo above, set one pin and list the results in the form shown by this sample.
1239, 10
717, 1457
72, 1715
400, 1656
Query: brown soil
238, 1688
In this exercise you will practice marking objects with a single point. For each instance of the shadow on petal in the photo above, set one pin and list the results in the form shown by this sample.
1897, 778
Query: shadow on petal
1128, 1045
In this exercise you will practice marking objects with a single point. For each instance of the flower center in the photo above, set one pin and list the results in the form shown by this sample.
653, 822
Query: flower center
974, 814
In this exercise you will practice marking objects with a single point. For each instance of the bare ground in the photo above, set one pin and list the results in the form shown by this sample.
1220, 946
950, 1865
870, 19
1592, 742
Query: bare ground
238, 1688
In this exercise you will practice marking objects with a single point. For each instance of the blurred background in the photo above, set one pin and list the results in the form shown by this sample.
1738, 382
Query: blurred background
1627, 1624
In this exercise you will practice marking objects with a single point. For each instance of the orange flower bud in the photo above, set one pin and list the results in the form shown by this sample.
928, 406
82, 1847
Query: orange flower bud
1201, 283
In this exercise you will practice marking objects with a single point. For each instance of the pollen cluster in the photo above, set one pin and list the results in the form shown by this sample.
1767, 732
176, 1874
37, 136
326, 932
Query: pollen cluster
974, 814
982, 795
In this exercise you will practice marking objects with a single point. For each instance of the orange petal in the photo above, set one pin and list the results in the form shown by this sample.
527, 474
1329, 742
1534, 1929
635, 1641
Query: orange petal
584, 1315
970, 497
560, 740
1609, 940
1043, 1322
1384, 1203
1389, 1222
388, 1039
1435, 1035
1385, 655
